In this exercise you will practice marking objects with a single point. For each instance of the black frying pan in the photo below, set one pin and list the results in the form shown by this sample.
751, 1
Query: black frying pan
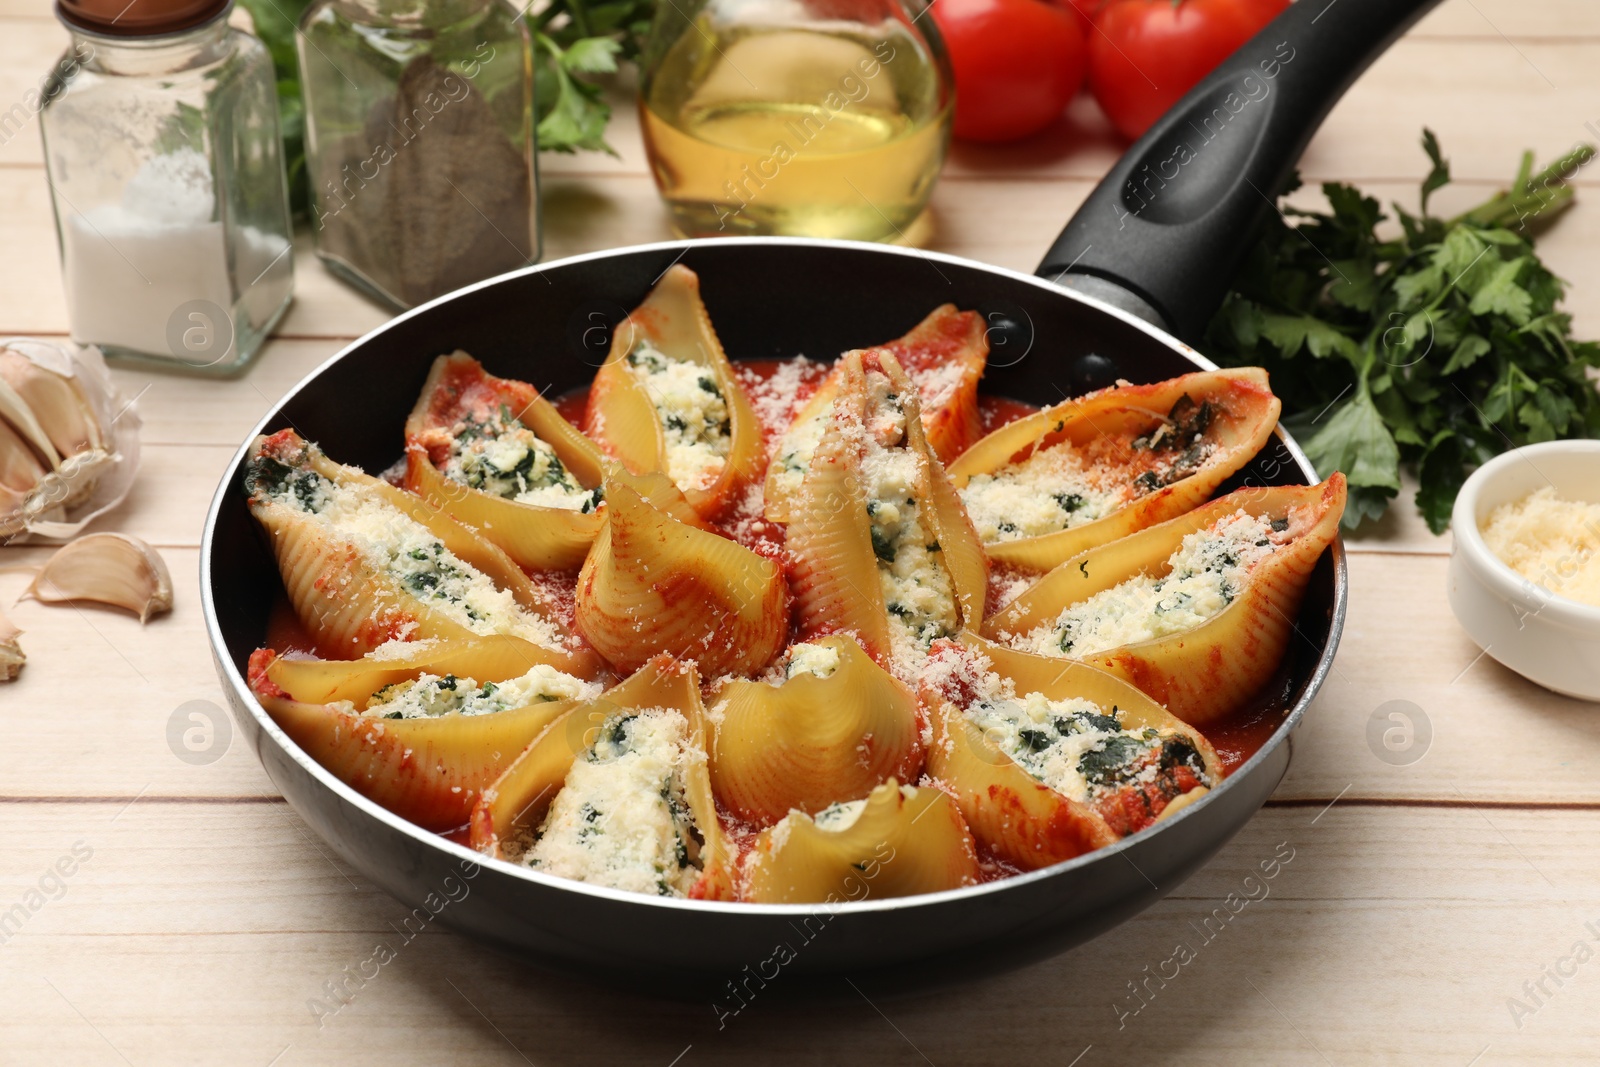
1155, 255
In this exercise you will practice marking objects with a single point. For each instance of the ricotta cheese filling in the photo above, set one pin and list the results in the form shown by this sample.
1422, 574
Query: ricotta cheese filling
838, 817
1063, 486
395, 545
917, 589
818, 660
695, 421
1204, 576
1050, 491
622, 819
500, 456
430, 695
1079, 748
795, 448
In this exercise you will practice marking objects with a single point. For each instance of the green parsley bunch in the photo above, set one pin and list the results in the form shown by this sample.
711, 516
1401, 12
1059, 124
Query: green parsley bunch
1437, 348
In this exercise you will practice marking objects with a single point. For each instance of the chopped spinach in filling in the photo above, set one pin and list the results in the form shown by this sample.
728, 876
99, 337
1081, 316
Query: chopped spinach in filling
498, 455
432, 695
623, 819
918, 592
1204, 576
696, 422
1084, 751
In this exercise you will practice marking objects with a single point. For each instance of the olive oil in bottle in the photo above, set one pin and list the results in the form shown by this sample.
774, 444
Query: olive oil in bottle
824, 129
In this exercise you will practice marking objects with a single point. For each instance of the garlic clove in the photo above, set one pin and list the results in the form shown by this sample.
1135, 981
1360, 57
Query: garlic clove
109, 568
11, 655
58, 403
15, 410
20, 469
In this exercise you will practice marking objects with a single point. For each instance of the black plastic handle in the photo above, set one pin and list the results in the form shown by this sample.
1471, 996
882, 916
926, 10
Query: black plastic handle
1172, 221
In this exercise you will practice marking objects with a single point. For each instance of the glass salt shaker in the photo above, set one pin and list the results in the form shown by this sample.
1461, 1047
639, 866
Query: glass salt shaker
809, 118
166, 172
420, 143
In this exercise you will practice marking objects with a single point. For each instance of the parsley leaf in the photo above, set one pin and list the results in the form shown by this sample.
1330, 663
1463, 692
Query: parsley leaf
1435, 349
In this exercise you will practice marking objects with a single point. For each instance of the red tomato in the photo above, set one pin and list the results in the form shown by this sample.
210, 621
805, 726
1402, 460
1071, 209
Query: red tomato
1145, 54
1084, 11
1017, 64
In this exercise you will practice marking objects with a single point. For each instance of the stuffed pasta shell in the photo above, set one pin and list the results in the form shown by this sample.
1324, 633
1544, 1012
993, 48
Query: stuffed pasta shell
364, 563
833, 727
898, 841
1091, 469
877, 540
498, 457
615, 794
423, 731
666, 399
1048, 761
1197, 611
944, 356
659, 581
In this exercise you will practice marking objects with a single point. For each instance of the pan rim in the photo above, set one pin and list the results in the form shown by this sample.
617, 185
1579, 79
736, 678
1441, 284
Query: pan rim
242, 695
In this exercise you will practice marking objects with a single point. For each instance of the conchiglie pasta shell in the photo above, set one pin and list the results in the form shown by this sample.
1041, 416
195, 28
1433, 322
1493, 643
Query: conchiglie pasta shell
944, 355
1012, 814
901, 844
653, 584
1204, 673
1246, 414
517, 802
535, 537
323, 681
621, 414
352, 609
834, 571
810, 741
428, 770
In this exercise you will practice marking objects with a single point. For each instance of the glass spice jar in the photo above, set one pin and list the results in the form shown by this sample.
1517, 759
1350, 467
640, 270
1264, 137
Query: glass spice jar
419, 143
812, 118
166, 173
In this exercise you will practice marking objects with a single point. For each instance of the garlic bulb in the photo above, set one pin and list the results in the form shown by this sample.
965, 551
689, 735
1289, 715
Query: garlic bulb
11, 656
108, 568
69, 446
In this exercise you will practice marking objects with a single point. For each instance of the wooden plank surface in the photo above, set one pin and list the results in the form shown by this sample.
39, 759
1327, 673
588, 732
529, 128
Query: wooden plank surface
1420, 901
198, 934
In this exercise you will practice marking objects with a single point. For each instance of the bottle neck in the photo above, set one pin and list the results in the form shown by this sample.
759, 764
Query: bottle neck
153, 56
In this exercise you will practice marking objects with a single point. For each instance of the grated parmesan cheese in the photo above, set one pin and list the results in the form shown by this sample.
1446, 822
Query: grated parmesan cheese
1080, 749
500, 456
1063, 486
1552, 542
394, 544
622, 819
918, 592
1050, 491
695, 422
1203, 577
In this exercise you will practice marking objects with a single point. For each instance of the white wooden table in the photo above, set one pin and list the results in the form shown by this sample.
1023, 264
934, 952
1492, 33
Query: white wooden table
1421, 898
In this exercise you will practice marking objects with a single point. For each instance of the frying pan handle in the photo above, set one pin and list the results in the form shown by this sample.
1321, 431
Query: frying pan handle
1165, 231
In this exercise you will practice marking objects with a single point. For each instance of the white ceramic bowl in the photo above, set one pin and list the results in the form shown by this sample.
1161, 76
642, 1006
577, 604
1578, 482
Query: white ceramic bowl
1548, 639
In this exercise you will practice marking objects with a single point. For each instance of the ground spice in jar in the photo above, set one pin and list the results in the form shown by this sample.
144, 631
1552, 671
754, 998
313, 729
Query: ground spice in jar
431, 196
